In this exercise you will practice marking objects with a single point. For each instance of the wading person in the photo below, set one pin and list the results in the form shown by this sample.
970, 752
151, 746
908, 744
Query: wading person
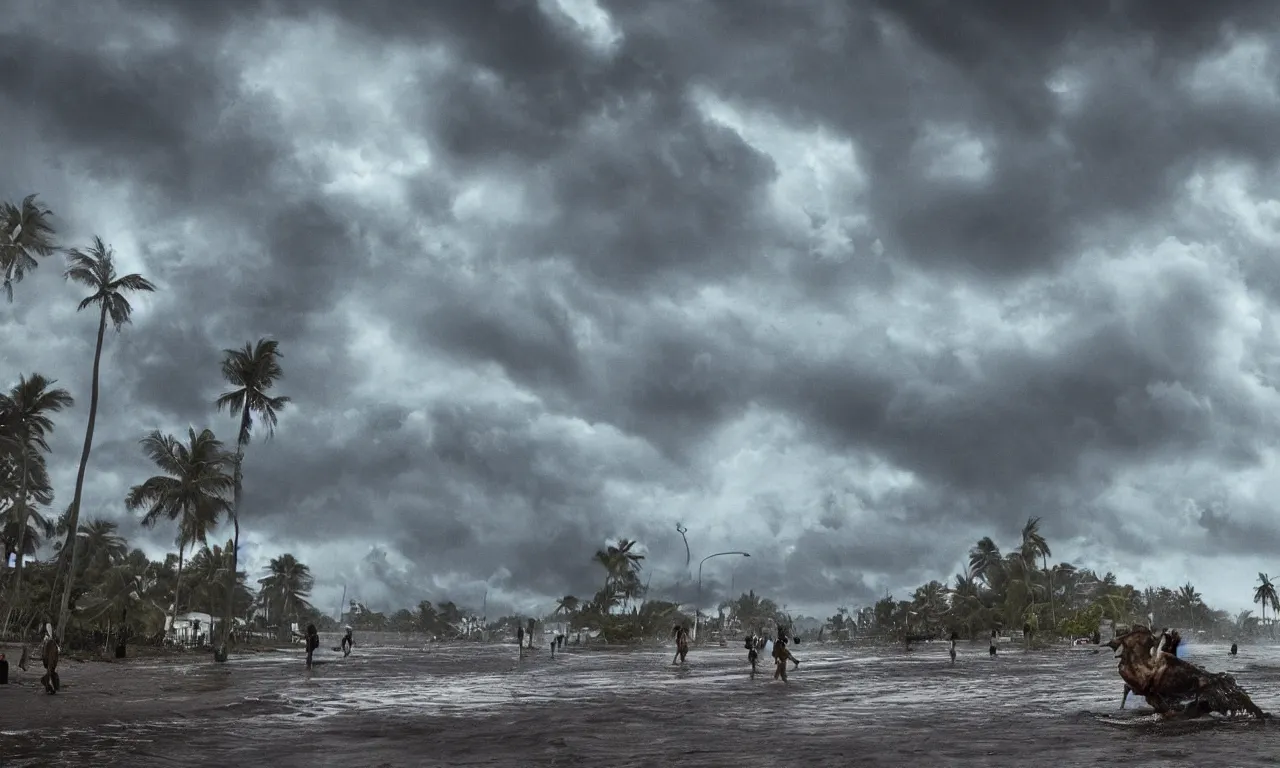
784, 641
780, 657
348, 642
313, 642
991, 651
1233, 649
954, 638
753, 655
681, 634
49, 658
520, 639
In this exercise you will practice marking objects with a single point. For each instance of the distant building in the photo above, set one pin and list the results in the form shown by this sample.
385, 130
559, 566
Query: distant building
189, 628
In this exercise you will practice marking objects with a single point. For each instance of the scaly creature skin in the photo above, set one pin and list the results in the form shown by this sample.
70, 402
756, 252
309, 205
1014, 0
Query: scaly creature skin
1172, 686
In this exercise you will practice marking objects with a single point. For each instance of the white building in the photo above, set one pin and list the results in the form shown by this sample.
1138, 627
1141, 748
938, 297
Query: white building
189, 628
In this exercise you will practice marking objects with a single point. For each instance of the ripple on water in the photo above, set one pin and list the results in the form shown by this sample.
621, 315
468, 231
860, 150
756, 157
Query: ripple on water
382, 705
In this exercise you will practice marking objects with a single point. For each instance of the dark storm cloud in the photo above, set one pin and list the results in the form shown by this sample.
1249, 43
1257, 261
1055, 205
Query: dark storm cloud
489, 398
983, 66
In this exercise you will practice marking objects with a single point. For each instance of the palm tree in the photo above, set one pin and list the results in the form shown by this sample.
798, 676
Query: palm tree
1264, 595
25, 233
96, 270
1190, 605
25, 419
1246, 622
209, 568
621, 569
1034, 544
966, 603
286, 588
101, 546
985, 560
930, 602
253, 371
192, 489
39, 528
39, 492
124, 590
567, 605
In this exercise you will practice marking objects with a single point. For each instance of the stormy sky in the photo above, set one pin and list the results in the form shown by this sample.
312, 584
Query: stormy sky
847, 285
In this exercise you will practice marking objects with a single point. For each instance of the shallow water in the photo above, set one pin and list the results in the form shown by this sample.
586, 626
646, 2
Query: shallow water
483, 705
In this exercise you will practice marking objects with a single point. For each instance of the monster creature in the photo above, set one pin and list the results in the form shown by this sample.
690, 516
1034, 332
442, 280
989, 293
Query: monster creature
1172, 686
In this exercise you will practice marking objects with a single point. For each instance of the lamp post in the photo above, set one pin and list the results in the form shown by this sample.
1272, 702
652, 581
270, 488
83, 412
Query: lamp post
697, 609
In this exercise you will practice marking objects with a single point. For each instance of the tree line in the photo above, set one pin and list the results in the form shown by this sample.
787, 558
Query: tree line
199, 481
1019, 590
1005, 591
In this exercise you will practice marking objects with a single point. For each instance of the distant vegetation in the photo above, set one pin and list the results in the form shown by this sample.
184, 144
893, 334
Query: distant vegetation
1020, 589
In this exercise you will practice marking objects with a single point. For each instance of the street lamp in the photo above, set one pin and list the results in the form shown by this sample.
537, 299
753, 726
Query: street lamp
697, 609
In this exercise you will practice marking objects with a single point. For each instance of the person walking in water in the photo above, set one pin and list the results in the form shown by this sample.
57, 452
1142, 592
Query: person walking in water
1234, 649
781, 656
313, 642
992, 650
784, 641
49, 658
681, 634
347, 643
753, 655
954, 638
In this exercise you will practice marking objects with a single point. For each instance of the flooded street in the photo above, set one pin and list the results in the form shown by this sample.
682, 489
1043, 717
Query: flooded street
482, 705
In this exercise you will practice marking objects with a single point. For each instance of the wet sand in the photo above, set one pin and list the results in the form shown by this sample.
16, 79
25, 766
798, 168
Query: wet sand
482, 705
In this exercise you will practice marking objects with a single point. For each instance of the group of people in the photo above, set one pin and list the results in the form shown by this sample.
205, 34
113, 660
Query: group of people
753, 644
312, 640
781, 653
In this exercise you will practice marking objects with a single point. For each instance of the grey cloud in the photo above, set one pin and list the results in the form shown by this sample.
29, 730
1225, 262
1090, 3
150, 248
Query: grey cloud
567, 371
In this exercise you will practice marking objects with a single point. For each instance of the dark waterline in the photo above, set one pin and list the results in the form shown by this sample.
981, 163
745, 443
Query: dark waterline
481, 705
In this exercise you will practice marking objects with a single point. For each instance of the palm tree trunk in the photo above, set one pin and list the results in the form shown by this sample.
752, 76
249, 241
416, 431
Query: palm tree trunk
1048, 574
73, 518
235, 522
15, 593
177, 587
